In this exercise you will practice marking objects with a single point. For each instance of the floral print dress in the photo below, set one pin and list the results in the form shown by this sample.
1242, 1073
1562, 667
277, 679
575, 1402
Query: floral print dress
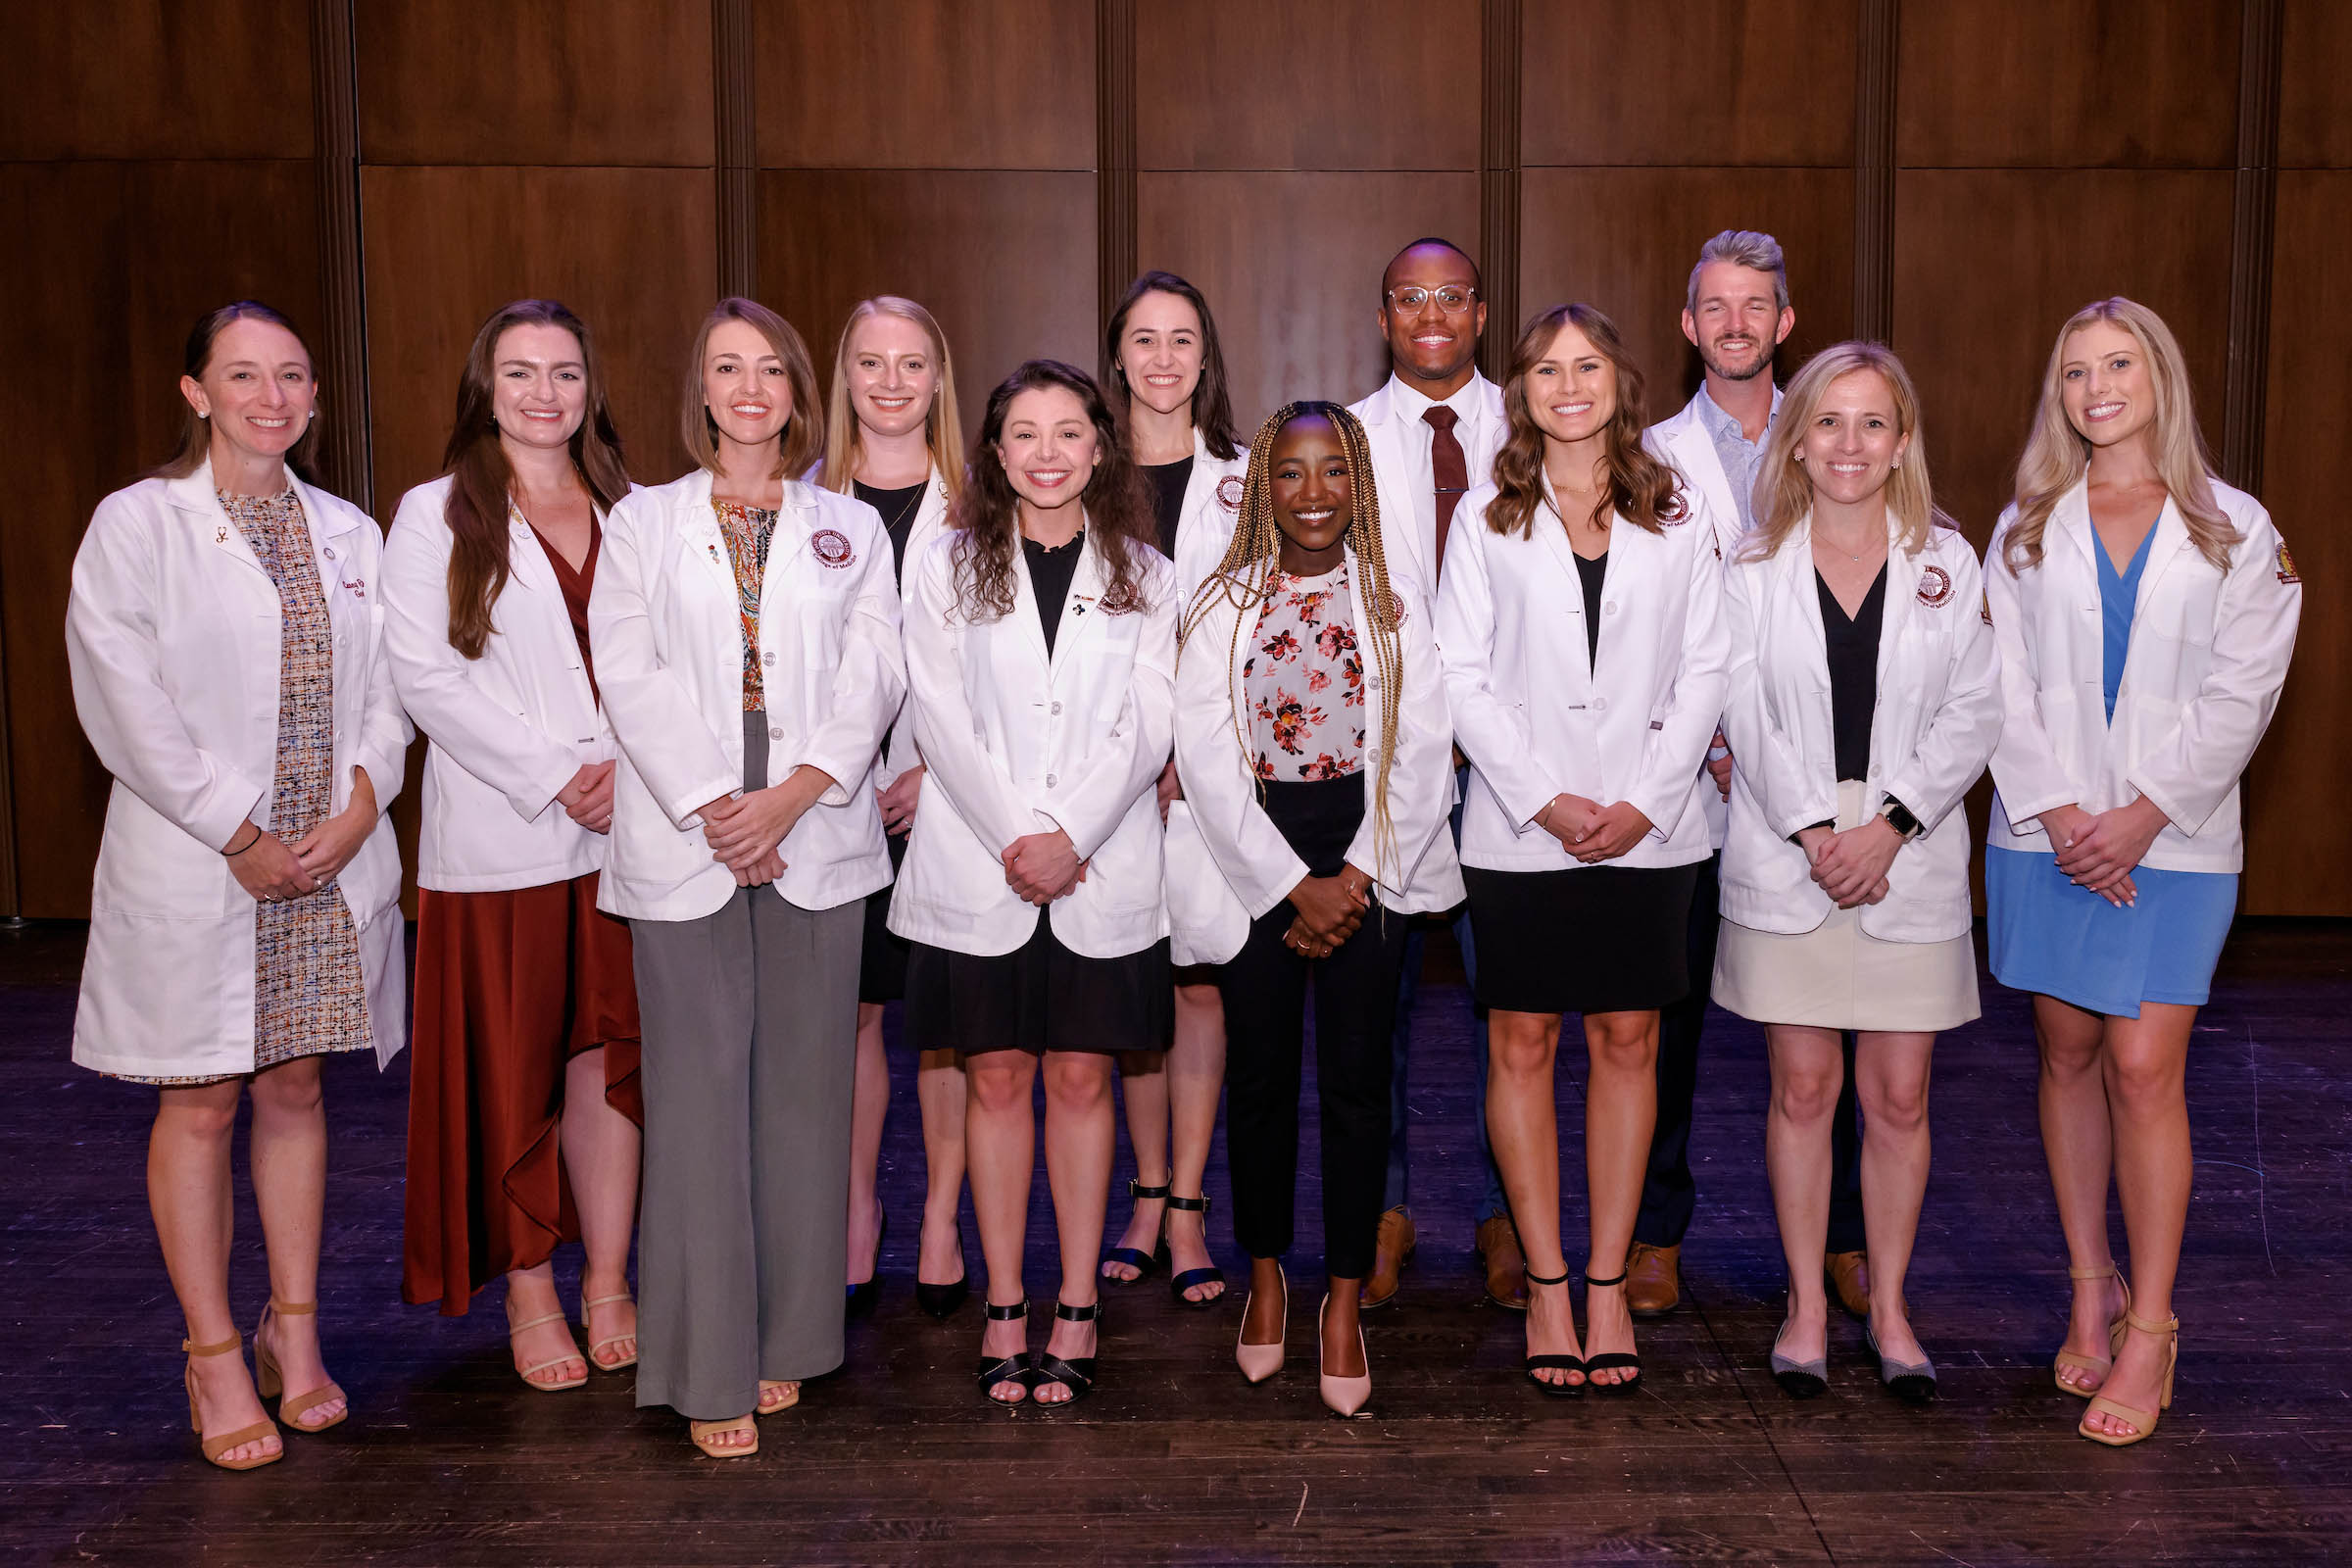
1305, 681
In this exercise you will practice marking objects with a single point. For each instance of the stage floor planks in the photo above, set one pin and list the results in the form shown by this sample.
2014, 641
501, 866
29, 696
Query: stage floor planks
447, 1460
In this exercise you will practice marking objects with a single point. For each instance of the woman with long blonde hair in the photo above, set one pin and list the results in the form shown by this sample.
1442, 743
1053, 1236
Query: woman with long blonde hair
893, 440
1311, 739
1862, 707
2111, 867
1585, 668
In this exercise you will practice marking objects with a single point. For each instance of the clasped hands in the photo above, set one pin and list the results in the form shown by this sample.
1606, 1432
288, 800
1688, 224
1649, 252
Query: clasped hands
1592, 832
272, 870
1851, 866
2100, 852
1043, 867
746, 831
1330, 910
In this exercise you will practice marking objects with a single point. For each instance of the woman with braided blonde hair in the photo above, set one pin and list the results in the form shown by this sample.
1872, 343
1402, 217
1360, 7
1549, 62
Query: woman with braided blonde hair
1313, 739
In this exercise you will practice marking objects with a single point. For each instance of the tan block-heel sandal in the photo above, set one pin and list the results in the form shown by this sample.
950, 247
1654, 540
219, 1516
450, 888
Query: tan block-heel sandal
2144, 1420
595, 1345
702, 1432
777, 1395
2115, 1336
526, 1372
214, 1447
271, 1385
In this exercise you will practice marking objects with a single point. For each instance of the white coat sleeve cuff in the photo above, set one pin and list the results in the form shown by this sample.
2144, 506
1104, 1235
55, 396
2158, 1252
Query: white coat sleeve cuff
232, 803
1279, 889
687, 811
839, 771
542, 789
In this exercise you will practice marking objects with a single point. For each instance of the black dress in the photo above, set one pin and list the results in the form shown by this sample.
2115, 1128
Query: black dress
882, 962
1168, 483
1604, 938
1042, 996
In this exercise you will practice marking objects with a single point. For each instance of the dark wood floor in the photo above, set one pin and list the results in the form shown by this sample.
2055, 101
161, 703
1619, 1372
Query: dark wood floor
448, 1461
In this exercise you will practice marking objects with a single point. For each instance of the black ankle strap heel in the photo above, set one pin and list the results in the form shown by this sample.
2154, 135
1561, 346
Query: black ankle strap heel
1076, 1374
1609, 1361
1014, 1368
1144, 1264
1211, 1275
1544, 1363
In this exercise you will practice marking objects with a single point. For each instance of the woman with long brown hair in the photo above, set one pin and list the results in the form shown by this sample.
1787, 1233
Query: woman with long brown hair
894, 440
1040, 636
523, 1108
745, 630
2111, 868
1311, 734
1585, 665
1165, 374
245, 915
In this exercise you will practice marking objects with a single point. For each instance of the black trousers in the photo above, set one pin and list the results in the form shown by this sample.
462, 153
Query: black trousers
1668, 1192
1264, 988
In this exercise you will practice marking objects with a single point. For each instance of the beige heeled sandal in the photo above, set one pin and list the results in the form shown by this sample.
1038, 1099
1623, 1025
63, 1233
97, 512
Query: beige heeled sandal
2144, 1420
270, 1384
528, 1373
594, 1346
776, 1396
702, 1432
214, 1447
2115, 1336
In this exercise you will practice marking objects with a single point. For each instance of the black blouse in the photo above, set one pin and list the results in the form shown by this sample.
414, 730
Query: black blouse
1853, 649
1592, 573
1051, 573
897, 508
1169, 482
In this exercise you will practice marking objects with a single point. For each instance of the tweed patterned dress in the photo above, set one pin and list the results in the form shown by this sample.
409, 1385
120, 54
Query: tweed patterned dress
310, 996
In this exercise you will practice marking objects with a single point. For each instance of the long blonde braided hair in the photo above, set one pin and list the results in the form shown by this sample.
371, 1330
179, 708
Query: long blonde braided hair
1245, 579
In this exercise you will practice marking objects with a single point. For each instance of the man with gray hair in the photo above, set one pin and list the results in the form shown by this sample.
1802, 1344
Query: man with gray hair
1736, 313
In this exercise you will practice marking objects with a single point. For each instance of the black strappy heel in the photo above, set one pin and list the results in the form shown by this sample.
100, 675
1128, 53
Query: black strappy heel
1609, 1361
1078, 1375
1211, 1275
1146, 1264
1013, 1368
1544, 1363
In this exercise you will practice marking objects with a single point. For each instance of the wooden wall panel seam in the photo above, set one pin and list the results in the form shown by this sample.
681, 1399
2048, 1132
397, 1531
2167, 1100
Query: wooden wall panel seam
1879, 26
1116, 241
1503, 25
349, 467
2252, 220
735, 97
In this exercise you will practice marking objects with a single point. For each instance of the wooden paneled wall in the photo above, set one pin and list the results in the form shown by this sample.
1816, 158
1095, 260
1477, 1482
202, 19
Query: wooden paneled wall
1955, 178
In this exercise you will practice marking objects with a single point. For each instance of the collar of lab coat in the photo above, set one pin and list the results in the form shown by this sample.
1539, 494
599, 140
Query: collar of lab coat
193, 494
2070, 521
1087, 584
1903, 572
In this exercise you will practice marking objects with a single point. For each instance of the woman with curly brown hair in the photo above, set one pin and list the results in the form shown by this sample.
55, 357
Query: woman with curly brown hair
1041, 640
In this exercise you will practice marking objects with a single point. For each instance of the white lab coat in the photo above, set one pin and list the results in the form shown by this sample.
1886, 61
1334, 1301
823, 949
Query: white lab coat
504, 731
1212, 506
1684, 442
1020, 742
2209, 653
1228, 864
1401, 469
665, 626
173, 637
930, 518
1539, 717
1936, 719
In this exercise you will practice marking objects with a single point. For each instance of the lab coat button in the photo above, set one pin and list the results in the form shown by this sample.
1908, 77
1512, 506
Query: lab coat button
768, 658
330, 551
1601, 703
1051, 781
1609, 608
775, 734
1056, 709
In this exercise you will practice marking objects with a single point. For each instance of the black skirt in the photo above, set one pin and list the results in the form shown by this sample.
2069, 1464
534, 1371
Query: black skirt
1040, 997
1598, 939
882, 962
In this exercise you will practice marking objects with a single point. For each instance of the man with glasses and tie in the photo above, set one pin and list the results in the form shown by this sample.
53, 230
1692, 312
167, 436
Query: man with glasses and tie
1433, 429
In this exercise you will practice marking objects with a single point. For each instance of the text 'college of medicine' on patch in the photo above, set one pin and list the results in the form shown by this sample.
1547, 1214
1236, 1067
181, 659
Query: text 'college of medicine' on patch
832, 547
1229, 491
1935, 586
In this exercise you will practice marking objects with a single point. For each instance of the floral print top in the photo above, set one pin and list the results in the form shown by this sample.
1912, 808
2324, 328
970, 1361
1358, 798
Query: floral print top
747, 530
1305, 681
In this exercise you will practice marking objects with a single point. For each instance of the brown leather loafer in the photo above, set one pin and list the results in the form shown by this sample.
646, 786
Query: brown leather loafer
1653, 1280
1849, 1279
1390, 1252
1506, 1266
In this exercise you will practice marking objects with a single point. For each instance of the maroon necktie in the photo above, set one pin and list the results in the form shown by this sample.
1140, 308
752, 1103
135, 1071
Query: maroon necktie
1449, 468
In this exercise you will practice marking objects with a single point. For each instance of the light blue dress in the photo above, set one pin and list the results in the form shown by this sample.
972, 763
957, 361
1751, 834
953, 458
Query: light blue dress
2048, 936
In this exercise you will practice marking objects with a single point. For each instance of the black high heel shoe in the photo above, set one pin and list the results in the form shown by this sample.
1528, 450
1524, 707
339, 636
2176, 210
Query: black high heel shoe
1544, 1363
867, 1290
1076, 1374
1211, 1275
1609, 1359
1014, 1368
1146, 1264
942, 1300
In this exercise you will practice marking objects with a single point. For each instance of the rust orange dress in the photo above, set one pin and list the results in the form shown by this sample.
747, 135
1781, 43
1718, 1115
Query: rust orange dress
511, 986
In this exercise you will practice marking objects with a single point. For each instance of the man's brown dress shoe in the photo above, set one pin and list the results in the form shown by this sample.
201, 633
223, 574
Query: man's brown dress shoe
1849, 1277
1506, 1266
1653, 1280
1390, 1252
